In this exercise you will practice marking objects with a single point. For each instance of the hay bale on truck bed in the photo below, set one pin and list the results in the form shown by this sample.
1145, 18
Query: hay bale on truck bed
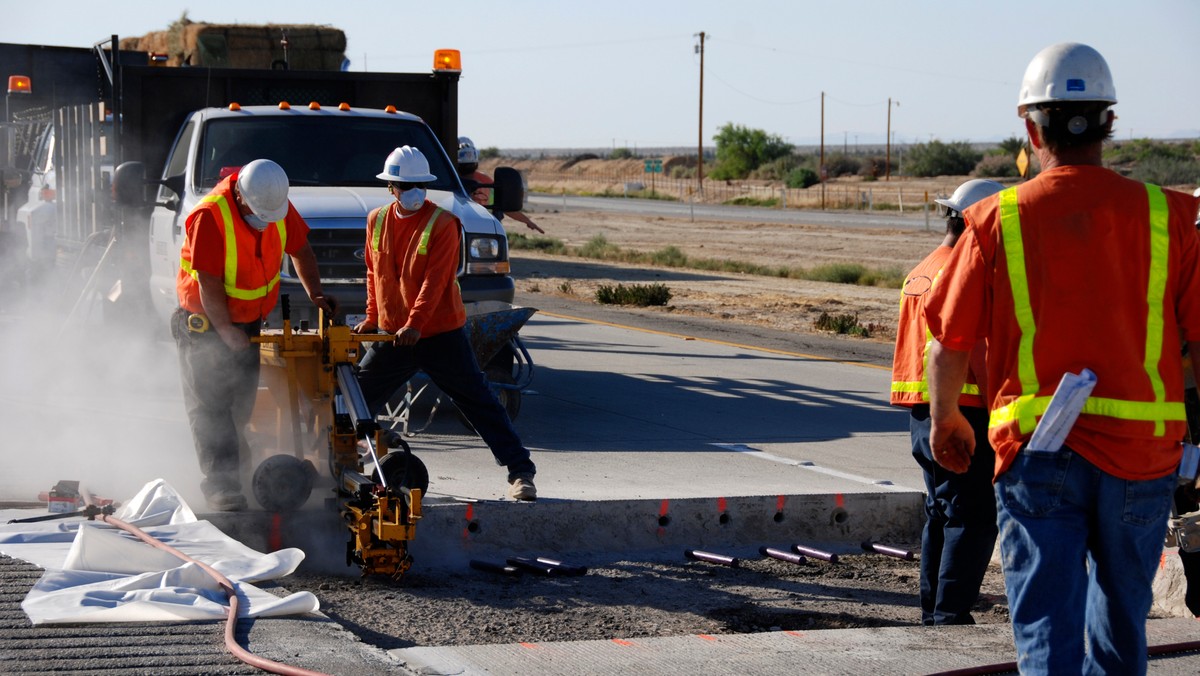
239, 46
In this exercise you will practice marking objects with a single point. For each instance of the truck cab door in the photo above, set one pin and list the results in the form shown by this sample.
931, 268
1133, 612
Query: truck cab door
167, 221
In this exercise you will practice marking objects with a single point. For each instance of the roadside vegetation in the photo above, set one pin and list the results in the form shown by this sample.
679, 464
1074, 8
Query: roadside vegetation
746, 154
599, 248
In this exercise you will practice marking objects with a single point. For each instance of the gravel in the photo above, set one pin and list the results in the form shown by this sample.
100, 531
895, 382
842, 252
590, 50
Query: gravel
632, 599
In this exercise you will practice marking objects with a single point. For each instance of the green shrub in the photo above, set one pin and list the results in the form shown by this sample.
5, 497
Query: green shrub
550, 245
641, 295
753, 202
489, 153
621, 154
802, 177
844, 324
941, 159
670, 257
598, 247
997, 166
842, 165
1166, 170
839, 273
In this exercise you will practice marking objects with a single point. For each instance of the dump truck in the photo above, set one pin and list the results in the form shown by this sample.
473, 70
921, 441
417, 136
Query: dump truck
131, 147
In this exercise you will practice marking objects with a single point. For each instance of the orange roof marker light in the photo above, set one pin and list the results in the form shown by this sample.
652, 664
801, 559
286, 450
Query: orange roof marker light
20, 84
235, 106
313, 105
343, 106
390, 109
448, 60
284, 105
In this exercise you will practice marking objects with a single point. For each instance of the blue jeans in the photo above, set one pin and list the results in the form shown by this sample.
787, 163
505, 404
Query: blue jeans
960, 523
1080, 547
449, 361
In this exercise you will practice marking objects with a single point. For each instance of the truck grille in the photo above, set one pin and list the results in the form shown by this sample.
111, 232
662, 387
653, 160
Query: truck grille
339, 252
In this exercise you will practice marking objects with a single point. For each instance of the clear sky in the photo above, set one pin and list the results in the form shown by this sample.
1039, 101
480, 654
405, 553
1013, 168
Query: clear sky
623, 73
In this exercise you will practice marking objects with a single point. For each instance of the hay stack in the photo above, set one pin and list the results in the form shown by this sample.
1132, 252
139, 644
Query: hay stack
186, 43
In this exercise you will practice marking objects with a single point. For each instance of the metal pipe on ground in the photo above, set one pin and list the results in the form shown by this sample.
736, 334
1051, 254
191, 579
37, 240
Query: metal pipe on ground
489, 567
782, 555
563, 568
888, 551
710, 557
815, 553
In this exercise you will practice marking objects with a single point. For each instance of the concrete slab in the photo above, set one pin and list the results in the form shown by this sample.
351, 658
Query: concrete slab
889, 650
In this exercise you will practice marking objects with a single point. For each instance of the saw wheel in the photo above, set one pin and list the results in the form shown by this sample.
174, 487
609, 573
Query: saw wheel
282, 483
402, 469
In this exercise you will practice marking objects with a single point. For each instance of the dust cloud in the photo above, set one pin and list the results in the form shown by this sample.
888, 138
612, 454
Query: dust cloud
87, 396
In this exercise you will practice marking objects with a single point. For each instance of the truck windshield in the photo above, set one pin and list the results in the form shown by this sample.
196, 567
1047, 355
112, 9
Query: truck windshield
334, 150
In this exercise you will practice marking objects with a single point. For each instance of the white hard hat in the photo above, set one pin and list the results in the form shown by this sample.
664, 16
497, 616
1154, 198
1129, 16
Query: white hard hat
467, 152
969, 193
406, 164
1067, 71
264, 187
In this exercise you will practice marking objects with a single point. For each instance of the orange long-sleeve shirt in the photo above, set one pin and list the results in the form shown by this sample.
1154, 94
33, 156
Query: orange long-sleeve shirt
408, 288
1087, 259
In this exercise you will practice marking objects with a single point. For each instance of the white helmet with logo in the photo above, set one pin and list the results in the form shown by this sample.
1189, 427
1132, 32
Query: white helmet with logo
467, 152
1067, 71
969, 193
406, 164
264, 187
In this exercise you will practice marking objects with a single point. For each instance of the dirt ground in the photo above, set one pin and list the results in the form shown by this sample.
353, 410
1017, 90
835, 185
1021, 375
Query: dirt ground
630, 599
789, 304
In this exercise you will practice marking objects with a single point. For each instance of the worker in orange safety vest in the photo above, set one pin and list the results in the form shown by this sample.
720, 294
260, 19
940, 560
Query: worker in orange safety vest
1079, 268
960, 510
228, 282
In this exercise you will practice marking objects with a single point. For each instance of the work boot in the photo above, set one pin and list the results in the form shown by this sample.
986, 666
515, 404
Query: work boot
520, 487
226, 501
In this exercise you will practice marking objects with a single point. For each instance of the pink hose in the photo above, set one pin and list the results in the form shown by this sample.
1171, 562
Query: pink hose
231, 620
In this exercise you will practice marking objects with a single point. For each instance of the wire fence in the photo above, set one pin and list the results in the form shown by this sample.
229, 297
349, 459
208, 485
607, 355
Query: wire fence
900, 195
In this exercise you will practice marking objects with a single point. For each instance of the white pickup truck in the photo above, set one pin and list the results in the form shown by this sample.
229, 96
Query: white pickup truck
331, 155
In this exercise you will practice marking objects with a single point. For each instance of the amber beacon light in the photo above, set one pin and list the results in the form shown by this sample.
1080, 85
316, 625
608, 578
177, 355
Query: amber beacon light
447, 59
21, 84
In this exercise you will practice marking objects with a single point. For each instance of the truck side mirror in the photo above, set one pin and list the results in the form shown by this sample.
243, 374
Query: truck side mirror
508, 190
129, 184
175, 185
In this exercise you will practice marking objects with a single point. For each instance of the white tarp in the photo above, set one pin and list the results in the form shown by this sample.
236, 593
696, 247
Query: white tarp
98, 573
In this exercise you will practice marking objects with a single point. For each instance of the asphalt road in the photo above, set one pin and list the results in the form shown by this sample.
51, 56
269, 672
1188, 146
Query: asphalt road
655, 208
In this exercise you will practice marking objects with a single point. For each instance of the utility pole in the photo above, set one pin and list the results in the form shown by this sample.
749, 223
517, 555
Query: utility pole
821, 164
887, 170
700, 132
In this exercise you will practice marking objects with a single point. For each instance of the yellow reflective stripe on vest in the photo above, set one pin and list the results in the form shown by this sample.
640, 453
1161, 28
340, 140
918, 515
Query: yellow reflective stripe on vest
922, 385
423, 246
231, 254
1160, 244
1026, 408
1014, 253
375, 234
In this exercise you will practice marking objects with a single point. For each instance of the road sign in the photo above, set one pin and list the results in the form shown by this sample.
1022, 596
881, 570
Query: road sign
1023, 163
654, 166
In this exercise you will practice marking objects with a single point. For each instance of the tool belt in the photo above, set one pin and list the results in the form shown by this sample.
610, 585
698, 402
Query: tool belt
195, 322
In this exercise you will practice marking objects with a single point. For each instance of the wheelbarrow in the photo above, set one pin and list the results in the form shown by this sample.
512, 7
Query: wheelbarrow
492, 328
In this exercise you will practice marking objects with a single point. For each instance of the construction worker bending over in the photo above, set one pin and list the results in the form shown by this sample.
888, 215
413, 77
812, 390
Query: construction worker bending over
412, 292
228, 283
960, 510
479, 183
1079, 268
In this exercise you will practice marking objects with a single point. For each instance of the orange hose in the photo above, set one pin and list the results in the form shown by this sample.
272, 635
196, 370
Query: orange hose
227, 586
